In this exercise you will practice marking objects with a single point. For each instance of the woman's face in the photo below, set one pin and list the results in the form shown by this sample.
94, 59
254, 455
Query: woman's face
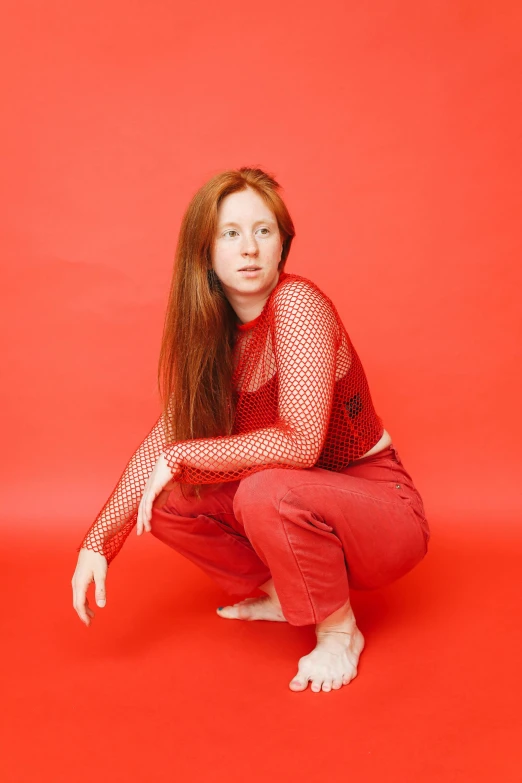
247, 235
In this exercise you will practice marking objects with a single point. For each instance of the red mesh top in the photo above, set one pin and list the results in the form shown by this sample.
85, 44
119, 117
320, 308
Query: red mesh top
301, 400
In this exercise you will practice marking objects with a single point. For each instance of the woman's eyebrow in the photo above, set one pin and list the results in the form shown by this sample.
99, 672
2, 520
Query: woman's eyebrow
262, 220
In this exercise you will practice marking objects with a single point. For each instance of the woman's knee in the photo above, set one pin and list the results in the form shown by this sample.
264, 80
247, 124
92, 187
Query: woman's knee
265, 487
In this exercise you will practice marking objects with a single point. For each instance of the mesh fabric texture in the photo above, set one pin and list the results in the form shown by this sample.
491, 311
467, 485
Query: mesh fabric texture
301, 400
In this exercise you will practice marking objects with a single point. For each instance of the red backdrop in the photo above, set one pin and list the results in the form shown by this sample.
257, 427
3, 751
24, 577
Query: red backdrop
395, 131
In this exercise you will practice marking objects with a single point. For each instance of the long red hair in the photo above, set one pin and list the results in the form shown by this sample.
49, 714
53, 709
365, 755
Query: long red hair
195, 363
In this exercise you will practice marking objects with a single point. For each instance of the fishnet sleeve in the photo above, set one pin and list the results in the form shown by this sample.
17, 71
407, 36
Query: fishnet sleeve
305, 335
118, 516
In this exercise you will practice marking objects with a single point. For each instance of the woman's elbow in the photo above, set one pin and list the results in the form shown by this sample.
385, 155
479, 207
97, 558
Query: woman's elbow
308, 454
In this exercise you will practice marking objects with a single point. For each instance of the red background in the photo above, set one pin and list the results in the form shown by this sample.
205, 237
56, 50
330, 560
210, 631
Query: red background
395, 130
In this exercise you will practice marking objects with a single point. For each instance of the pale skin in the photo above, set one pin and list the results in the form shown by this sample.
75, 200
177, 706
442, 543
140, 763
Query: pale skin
248, 234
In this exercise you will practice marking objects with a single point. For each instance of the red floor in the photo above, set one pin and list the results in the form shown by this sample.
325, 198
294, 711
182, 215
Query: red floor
160, 688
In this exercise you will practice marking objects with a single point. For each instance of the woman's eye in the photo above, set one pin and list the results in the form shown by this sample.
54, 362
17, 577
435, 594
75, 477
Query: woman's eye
233, 231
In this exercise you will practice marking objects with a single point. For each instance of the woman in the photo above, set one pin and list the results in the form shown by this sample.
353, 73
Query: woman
268, 467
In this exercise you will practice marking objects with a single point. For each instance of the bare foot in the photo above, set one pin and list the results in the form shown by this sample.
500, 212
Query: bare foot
262, 608
333, 662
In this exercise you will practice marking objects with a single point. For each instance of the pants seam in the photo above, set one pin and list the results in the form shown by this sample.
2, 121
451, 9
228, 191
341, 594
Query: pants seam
295, 557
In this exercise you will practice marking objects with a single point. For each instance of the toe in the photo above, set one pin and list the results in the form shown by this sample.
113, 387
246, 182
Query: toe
316, 686
348, 677
327, 685
336, 684
299, 684
230, 612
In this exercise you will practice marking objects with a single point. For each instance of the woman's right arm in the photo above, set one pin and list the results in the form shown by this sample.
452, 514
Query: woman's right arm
118, 516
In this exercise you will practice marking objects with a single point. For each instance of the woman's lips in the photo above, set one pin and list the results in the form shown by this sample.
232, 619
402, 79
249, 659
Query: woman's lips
249, 272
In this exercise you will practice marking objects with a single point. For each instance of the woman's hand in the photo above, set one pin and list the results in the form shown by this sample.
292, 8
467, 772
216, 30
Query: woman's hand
91, 567
159, 479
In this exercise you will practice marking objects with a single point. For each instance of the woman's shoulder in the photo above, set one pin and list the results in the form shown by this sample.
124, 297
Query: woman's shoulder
295, 288
303, 307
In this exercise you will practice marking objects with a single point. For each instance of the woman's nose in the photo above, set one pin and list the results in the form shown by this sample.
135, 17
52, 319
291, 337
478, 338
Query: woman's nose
249, 246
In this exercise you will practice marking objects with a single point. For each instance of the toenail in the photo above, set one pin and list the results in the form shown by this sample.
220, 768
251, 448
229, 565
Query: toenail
220, 608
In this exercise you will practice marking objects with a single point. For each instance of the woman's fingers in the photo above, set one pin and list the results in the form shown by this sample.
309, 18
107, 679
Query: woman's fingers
139, 524
91, 567
99, 591
80, 601
141, 516
149, 500
160, 478
145, 510
141, 509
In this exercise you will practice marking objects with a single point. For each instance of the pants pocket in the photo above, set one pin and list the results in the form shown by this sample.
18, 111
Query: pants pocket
400, 490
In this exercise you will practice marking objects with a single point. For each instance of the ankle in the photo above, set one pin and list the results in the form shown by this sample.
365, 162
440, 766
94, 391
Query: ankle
269, 589
340, 621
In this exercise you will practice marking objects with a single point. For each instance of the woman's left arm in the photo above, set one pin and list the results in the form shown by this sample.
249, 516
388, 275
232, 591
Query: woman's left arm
305, 337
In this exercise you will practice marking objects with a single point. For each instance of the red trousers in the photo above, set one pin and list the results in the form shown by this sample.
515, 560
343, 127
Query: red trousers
316, 532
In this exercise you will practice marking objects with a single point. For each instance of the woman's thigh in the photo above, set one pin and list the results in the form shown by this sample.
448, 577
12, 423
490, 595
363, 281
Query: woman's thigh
216, 502
215, 499
372, 507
